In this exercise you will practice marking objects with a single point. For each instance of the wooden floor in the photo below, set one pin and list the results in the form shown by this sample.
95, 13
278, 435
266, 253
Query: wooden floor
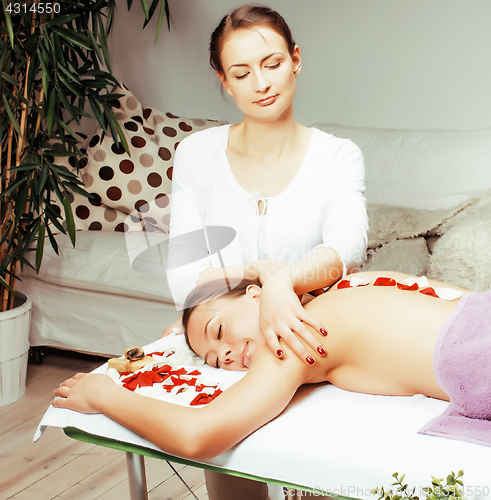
62, 468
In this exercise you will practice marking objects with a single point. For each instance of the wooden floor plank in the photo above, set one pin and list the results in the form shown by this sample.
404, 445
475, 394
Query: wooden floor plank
42, 467
174, 489
200, 492
26, 452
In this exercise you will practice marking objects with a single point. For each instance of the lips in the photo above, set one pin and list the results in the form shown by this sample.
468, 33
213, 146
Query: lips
267, 101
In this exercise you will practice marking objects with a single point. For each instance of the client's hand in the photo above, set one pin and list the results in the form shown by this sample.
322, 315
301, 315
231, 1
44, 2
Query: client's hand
81, 392
282, 315
176, 327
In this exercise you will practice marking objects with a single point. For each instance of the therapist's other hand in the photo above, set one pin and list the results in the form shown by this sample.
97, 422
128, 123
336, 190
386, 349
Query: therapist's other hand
83, 391
176, 327
281, 315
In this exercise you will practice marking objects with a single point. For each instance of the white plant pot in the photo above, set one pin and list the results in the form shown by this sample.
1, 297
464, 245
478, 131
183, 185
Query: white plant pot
14, 351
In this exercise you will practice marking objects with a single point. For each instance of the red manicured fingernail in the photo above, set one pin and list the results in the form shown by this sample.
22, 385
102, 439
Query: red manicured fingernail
323, 331
280, 353
321, 350
310, 360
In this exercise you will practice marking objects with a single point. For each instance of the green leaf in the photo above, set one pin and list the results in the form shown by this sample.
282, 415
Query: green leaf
95, 46
71, 110
8, 20
79, 190
66, 127
40, 247
51, 111
75, 38
144, 5
9, 78
69, 86
450, 480
12, 187
103, 43
23, 167
70, 224
64, 19
120, 132
52, 240
5, 284
98, 115
162, 13
44, 72
11, 115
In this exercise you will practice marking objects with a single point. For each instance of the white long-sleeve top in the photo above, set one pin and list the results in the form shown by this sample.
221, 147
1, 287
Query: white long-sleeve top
324, 205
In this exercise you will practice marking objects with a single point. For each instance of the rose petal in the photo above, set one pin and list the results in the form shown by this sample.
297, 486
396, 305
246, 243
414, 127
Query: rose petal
403, 286
429, 291
202, 399
384, 282
344, 284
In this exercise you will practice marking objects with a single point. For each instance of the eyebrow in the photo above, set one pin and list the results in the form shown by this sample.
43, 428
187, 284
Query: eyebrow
262, 60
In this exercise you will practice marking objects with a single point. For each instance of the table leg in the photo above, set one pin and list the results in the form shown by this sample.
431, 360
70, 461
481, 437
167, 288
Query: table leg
136, 476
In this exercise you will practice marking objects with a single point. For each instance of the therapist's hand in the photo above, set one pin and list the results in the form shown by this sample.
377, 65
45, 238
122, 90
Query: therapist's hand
281, 315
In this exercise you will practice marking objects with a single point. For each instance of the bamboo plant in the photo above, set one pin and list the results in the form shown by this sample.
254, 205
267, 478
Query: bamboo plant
55, 69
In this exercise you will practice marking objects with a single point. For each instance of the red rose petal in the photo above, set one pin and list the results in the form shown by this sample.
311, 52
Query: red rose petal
156, 354
344, 284
202, 399
384, 282
403, 286
178, 381
164, 369
181, 371
196, 372
429, 291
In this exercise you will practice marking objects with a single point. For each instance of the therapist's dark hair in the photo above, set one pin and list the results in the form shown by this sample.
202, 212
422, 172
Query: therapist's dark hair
246, 17
208, 292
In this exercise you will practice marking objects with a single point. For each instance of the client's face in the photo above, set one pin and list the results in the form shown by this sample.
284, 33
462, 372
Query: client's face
225, 332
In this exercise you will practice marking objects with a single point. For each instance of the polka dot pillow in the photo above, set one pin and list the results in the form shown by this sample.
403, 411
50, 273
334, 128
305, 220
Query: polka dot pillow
88, 213
128, 182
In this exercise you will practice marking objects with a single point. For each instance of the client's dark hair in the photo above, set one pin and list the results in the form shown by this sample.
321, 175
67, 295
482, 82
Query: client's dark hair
207, 292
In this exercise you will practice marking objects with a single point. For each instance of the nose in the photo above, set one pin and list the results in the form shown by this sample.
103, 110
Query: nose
226, 355
261, 83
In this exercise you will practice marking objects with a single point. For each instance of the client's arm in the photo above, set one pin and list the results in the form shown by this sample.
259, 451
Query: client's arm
197, 434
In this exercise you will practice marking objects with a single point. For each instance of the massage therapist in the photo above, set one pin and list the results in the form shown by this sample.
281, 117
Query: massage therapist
293, 194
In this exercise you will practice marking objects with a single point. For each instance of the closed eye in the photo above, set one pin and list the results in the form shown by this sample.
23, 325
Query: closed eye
274, 66
219, 332
240, 77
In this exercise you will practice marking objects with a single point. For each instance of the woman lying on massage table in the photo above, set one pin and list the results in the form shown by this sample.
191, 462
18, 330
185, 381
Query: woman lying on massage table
382, 340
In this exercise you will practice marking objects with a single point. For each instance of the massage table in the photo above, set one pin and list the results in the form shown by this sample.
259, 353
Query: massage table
348, 443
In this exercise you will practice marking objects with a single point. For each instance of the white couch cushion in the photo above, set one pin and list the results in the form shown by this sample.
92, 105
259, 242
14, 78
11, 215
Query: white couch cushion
99, 262
428, 169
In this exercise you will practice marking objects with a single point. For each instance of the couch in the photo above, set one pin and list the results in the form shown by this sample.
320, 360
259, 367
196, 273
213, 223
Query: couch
429, 212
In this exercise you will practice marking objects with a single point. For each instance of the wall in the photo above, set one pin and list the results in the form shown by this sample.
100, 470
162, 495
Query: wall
375, 63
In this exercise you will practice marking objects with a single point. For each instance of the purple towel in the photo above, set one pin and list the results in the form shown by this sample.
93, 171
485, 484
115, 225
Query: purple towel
462, 365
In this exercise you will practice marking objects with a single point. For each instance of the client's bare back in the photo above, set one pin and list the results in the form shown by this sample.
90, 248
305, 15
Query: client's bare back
381, 339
